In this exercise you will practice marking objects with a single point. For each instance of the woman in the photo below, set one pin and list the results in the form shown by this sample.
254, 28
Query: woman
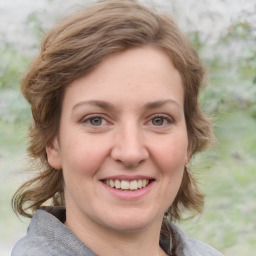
116, 120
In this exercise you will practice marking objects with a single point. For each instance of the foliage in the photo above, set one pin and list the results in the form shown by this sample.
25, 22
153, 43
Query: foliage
13, 107
230, 55
228, 222
12, 65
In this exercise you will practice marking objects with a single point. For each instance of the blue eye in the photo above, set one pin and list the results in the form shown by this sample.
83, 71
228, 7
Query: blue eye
95, 121
158, 121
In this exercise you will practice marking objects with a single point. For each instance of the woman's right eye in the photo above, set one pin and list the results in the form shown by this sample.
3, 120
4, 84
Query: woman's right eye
94, 121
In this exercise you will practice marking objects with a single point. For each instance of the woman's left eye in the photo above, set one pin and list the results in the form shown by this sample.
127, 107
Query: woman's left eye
160, 120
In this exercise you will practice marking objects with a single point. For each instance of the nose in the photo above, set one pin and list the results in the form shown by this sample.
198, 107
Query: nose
129, 148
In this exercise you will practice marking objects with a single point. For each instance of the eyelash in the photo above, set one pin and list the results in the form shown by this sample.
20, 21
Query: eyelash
166, 118
89, 118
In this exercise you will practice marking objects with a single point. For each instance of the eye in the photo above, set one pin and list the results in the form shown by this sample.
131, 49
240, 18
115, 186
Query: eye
158, 121
96, 121
161, 120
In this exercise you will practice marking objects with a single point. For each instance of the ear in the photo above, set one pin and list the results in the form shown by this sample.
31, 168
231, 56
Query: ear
53, 154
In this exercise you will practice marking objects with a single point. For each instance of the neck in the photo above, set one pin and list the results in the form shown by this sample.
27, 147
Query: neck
143, 242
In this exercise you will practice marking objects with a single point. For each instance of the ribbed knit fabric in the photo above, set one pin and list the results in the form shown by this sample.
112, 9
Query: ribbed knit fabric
48, 236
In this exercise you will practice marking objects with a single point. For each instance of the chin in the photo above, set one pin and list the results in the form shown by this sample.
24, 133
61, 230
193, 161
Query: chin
132, 222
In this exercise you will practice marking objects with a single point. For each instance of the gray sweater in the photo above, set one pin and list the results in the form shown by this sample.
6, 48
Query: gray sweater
48, 236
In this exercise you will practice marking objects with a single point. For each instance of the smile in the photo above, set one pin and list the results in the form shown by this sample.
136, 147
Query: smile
127, 185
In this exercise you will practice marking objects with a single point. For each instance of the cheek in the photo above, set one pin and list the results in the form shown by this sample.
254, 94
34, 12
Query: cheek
172, 154
79, 169
170, 161
83, 156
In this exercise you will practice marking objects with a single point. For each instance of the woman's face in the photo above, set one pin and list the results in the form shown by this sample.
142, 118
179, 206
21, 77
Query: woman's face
122, 143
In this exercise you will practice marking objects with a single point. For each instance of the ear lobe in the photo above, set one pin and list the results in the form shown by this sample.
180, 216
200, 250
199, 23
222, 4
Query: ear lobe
53, 155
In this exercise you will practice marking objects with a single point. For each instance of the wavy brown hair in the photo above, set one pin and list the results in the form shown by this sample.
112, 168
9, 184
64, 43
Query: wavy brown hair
73, 49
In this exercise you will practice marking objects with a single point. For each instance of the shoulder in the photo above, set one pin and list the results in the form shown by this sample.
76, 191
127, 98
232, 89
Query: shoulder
200, 248
38, 240
186, 246
28, 247
33, 244
48, 236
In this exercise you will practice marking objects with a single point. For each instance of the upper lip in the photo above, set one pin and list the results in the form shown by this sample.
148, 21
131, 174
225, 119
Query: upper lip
128, 178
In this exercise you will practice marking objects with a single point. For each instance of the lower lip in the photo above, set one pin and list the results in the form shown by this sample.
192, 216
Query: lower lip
129, 194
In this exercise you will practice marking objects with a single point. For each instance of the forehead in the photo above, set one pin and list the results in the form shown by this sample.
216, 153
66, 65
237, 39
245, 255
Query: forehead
138, 74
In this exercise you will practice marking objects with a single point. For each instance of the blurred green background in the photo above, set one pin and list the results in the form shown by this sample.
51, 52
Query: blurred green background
224, 34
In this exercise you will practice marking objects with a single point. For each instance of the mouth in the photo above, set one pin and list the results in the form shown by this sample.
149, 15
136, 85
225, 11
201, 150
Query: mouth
127, 184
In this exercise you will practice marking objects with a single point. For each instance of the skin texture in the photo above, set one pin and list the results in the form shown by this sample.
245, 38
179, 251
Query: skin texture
125, 119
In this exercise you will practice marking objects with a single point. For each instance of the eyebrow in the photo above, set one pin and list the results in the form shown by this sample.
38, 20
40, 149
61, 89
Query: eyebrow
97, 103
109, 106
160, 103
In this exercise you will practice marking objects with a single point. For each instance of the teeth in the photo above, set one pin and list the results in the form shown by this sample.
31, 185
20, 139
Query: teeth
117, 184
133, 185
127, 185
139, 183
111, 183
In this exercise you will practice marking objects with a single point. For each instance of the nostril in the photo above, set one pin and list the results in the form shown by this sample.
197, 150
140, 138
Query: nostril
128, 148
130, 165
